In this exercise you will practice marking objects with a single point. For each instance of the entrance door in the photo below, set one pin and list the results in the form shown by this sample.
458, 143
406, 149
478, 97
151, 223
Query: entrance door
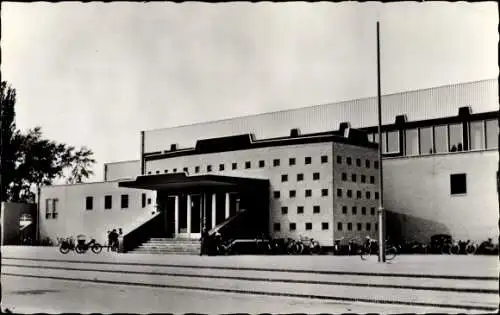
170, 217
196, 208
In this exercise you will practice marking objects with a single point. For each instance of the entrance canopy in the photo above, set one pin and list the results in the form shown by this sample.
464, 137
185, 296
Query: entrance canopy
180, 181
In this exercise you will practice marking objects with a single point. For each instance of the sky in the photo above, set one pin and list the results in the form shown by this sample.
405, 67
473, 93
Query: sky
96, 74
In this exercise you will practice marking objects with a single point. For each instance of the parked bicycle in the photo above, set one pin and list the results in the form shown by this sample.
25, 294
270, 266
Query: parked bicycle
308, 246
371, 248
82, 246
66, 244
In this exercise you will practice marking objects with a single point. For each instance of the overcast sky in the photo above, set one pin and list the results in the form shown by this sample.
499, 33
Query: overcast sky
97, 74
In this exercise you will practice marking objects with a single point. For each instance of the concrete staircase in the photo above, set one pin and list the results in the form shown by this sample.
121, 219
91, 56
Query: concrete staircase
169, 246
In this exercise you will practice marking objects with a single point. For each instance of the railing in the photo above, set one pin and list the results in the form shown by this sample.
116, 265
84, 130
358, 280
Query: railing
140, 233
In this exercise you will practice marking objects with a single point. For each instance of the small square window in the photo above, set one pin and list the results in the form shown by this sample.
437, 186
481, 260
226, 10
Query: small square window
300, 177
157, 172
143, 200
339, 192
248, 164
324, 226
276, 162
368, 226
292, 194
324, 192
349, 160
376, 226
377, 195
344, 209
209, 168
284, 210
89, 203
284, 178
309, 226
234, 166
368, 195
458, 184
344, 176
316, 209
196, 169
149, 173
262, 163
358, 194
149, 201
363, 178
276, 194
124, 201
372, 179
324, 159
221, 167
372, 211
291, 161
349, 193
185, 169
339, 226
308, 193
315, 176
174, 171
354, 210
276, 227
293, 226
108, 202
375, 164
300, 209
367, 163
353, 177
165, 171
307, 160
358, 162
339, 159
359, 226
349, 226
363, 210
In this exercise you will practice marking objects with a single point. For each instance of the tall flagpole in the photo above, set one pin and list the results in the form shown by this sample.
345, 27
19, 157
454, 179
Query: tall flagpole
381, 214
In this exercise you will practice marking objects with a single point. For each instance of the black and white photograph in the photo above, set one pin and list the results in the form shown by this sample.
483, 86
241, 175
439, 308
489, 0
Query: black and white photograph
249, 157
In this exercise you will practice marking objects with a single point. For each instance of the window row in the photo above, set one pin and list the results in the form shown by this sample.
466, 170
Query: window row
354, 178
293, 226
300, 209
355, 210
348, 161
108, 202
359, 194
293, 193
300, 177
248, 165
359, 226
51, 208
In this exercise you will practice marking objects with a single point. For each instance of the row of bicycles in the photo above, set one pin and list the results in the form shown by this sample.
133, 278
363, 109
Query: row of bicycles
82, 246
266, 246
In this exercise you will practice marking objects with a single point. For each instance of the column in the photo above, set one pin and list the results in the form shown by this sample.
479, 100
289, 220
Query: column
214, 207
176, 219
203, 211
188, 214
227, 205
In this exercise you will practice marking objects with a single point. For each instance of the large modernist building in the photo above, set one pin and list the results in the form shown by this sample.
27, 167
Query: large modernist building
308, 172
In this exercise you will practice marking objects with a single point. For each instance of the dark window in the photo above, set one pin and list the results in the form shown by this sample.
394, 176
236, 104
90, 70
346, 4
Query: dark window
316, 209
344, 176
308, 193
165, 171
372, 211
291, 161
143, 200
307, 160
458, 184
292, 193
234, 166
284, 210
157, 172
353, 177
300, 209
149, 201
300, 177
368, 226
349, 193
276, 194
344, 209
359, 226
284, 178
149, 173
375, 164
196, 169
349, 226
368, 195
324, 225
315, 176
339, 159
324, 159
309, 226
108, 202
358, 162
175, 170
276, 162
363, 210
339, 192
349, 160
339, 226
324, 192
376, 226
363, 178
354, 210
124, 201
248, 164
276, 227
376, 195
185, 169
221, 167
89, 203
367, 163
262, 163
358, 194
293, 226
209, 168
372, 179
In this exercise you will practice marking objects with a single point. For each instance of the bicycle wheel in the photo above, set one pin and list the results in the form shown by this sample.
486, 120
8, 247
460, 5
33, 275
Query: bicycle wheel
64, 249
455, 249
96, 248
300, 248
364, 254
390, 253
79, 250
470, 249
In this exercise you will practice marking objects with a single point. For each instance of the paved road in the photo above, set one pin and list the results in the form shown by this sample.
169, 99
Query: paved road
29, 295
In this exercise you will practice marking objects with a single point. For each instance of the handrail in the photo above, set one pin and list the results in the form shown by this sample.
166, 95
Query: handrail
224, 223
137, 235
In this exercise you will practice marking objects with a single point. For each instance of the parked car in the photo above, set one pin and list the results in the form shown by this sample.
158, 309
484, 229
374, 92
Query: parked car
440, 244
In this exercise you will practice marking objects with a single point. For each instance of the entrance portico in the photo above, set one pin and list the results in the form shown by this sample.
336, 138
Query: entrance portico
190, 203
